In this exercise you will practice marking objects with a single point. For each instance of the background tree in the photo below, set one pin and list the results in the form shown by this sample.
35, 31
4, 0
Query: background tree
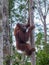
43, 9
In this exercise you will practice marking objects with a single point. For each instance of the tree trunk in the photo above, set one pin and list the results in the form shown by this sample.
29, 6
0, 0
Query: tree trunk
1, 33
5, 44
1, 44
31, 13
45, 30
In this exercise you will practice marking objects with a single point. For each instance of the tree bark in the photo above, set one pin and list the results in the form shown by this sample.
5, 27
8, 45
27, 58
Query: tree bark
45, 30
6, 43
1, 32
31, 13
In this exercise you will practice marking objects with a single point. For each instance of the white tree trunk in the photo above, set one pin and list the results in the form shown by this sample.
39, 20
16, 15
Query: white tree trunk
4, 31
31, 13
6, 43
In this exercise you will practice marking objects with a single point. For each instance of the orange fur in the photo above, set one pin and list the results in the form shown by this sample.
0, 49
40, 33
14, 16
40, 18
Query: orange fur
22, 38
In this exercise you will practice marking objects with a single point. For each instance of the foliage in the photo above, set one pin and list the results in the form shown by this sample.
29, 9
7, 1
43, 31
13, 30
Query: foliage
18, 12
19, 59
46, 48
11, 5
42, 58
39, 38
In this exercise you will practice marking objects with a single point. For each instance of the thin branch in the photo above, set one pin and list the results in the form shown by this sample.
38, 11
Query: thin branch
40, 8
45, 6
47, 10
40, 11
41, 18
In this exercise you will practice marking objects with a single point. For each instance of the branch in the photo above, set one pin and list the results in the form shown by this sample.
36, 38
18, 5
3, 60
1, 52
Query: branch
47, 10
40, 15
45, 6
40, 10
